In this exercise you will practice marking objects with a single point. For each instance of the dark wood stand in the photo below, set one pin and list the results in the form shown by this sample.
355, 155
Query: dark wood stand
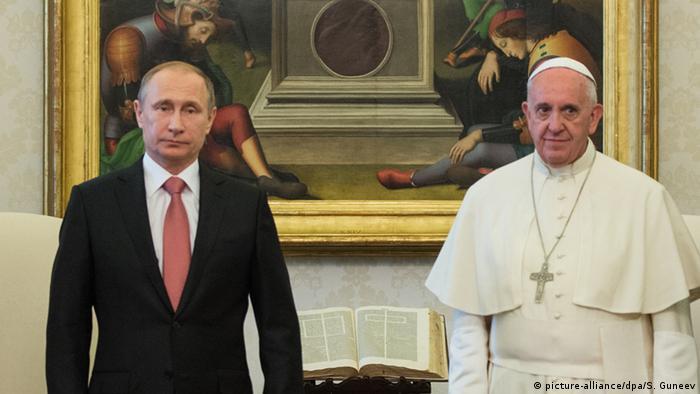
367, 385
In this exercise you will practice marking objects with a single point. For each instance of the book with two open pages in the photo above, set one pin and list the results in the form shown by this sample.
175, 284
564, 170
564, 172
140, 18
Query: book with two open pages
379, 341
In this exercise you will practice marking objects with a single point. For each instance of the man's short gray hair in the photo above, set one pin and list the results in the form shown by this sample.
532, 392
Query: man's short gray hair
143, 89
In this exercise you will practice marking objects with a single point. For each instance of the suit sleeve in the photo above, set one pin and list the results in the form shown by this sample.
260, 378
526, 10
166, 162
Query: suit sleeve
275, 314
69, 324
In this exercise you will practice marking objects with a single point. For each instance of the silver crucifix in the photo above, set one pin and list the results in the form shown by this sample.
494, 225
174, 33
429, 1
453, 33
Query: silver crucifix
541, 278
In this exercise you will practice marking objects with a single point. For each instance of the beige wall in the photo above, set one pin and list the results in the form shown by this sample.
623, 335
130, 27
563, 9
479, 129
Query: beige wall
320, 282
679, 80
21, 105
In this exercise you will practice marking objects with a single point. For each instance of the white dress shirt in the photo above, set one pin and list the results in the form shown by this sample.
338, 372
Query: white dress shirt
158, 199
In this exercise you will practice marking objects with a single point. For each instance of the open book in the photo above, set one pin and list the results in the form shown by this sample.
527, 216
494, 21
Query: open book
373, 341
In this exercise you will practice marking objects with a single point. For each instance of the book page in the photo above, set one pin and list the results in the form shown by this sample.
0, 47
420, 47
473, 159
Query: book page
328, 339
393, 336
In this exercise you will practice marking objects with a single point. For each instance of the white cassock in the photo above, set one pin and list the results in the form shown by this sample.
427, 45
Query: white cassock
617, 310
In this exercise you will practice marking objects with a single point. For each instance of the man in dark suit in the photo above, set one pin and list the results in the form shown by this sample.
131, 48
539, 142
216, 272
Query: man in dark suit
168, 252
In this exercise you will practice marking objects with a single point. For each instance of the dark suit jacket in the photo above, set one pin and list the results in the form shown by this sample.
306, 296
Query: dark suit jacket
106, 260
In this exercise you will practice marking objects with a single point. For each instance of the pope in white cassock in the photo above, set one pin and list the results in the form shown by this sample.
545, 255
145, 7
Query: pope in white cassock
566, 266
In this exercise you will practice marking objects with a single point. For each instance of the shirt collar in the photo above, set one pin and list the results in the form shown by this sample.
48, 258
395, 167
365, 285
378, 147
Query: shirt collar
155, 176
581, 164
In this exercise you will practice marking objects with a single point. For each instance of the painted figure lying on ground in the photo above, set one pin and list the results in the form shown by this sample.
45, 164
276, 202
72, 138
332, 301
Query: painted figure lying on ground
546, 30
180, 30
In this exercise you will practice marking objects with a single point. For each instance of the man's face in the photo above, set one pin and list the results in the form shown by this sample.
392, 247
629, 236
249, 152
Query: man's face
174, 118
512, 47
560, 115
198, 34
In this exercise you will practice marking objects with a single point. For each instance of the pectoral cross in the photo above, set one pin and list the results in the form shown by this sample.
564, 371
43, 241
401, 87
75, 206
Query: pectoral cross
541, 278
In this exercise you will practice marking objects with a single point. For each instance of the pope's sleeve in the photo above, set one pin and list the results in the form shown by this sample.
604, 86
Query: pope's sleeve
659, 267
452, 278
474, 271
468, 354
675, 355
687, 250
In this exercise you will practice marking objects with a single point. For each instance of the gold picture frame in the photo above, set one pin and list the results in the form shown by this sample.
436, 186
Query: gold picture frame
363, 227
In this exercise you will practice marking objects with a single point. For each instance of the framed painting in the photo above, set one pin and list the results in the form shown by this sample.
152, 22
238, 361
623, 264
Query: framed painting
349, 104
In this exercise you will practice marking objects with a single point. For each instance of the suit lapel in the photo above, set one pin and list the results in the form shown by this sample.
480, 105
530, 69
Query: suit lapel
131, 196
211, 211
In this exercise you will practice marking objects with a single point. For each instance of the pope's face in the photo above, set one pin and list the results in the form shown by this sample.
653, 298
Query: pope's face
560, 115
175, 118
513, 47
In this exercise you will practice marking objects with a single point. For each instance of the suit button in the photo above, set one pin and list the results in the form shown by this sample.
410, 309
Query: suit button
176, 324
168, 375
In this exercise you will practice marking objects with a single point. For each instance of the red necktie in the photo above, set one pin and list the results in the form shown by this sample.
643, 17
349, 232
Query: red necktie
176, 242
